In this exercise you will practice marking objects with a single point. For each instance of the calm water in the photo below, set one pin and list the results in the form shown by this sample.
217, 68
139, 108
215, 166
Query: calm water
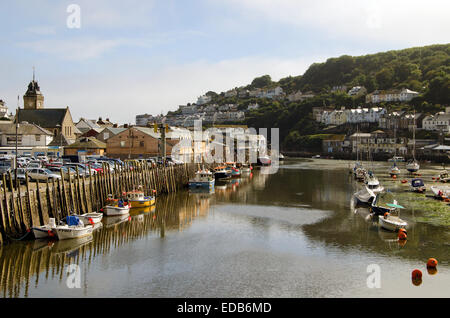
291, 234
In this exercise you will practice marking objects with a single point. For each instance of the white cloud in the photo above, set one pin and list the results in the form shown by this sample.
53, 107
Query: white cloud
402, 22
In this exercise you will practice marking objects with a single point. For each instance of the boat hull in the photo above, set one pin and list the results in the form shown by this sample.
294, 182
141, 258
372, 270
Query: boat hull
115, 210
41, 232
142, 203
392, 224
207, 185
65, 233
95, 217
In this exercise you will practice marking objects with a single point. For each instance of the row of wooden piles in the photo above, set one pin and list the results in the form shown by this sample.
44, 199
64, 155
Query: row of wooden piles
33, 204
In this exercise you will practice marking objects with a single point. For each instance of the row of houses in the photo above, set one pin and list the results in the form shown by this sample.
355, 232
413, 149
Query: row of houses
392, 120
380, 142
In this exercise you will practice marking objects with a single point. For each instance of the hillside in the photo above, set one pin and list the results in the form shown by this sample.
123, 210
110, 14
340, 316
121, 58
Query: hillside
422, 69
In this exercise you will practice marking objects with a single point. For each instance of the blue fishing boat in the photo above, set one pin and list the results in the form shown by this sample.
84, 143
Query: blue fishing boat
204, 179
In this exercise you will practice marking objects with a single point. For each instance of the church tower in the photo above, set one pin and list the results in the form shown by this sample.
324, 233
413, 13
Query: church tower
33, 98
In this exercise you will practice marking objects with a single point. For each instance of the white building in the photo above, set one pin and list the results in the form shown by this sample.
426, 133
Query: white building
28, 135
357, 90
231, 93
364, 115
394, 95
253, 106
437, 122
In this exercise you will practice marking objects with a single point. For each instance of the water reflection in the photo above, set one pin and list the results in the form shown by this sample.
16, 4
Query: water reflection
23, 262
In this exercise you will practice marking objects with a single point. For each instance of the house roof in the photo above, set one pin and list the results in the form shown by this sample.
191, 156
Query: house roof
24, 129
87, 143
46, 118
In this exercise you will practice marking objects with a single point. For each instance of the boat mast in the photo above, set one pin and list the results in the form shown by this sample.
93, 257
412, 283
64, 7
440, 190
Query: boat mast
414, 136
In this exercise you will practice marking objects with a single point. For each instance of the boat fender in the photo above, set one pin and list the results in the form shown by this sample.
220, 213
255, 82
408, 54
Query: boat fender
432, 263
50, 233
91, 221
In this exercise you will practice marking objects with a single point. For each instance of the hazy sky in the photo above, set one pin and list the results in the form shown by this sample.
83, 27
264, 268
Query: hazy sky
134, 57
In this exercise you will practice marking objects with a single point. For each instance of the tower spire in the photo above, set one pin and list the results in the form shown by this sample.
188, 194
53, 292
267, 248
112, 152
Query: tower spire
33, 73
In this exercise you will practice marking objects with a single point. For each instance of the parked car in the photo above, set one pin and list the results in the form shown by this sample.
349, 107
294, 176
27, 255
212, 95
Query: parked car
42, 174
66, 171
33, 165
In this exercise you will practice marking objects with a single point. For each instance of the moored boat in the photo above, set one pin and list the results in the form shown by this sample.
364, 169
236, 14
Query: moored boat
417, 185
203, 179
137, 199
74, 228
119, 208
364, 196
412, 166
44, 231
221, 173
394, 170
91, 218
440, 192
392, 222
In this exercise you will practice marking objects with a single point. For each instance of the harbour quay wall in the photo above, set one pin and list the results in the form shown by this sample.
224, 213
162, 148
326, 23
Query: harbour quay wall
32, 204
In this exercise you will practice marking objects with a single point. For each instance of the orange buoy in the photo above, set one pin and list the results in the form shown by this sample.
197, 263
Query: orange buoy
394, 177
432, 270
416, 274
432, 263
402, 243
386, 215
403, 230
404, 181
402, 236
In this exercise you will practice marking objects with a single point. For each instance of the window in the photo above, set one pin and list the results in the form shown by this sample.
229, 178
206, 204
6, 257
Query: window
122, 144
38, 137
141, 144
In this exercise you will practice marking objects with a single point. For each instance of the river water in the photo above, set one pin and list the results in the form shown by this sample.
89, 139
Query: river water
295, 233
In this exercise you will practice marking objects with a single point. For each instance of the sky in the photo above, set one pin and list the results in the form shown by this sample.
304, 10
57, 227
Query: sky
132, 57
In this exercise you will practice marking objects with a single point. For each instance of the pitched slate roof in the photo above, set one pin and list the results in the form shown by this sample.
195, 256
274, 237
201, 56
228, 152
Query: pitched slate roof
46, 118
59, 140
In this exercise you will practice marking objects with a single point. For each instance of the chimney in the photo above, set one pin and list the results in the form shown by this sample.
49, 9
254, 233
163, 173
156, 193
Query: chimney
125, 126
115, 126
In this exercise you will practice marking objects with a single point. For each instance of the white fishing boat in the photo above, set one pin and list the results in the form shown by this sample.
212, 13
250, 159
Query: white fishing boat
91, 218
391, 222
74, 228
116, 209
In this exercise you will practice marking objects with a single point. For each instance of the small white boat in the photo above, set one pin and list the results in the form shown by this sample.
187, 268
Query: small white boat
91, 218
440, 192
44, 231
74, 228
113, 210
412, 166
392, 222
373, 184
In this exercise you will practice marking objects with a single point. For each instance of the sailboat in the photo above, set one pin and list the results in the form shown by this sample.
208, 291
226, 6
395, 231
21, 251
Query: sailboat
412, 165
358, 170
394, 170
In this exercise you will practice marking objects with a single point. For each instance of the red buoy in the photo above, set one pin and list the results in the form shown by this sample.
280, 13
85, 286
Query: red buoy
402, 236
